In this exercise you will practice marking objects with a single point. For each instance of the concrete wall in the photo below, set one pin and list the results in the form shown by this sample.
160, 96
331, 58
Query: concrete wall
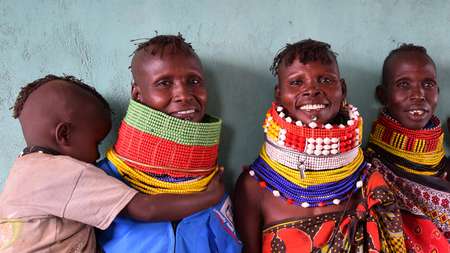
235, 39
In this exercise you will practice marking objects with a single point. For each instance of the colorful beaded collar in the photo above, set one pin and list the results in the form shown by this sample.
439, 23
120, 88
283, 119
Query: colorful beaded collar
301, 164
423, 149
314, 138
156, 143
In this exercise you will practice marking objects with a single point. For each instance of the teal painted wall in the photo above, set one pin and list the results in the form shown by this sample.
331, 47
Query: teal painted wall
236, 41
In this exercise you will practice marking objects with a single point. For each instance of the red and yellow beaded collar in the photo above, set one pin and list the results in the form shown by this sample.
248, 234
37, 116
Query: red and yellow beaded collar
423, 147
314, 138
153, 142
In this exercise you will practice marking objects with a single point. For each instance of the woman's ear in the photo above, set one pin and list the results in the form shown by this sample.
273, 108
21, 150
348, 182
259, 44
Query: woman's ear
380, 94
277, 94
136, 92
63, 134
344, 88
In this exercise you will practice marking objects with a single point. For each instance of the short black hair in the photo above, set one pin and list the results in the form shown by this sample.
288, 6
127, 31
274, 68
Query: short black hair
404, 48
30, 87
305, 51
160, 43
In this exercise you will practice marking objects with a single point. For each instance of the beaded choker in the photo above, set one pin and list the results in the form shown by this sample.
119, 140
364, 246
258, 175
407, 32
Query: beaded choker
153, 146
310, 165
418, 152
313, 139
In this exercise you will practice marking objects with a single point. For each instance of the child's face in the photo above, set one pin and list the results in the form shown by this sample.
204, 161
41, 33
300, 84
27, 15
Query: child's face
312, 90
411, 90
87, 135
173, 84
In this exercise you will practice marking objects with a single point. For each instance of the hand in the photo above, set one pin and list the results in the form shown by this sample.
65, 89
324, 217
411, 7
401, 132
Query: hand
216, 187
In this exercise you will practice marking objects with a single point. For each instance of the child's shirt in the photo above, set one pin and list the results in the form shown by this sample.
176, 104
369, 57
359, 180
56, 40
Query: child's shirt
51, 204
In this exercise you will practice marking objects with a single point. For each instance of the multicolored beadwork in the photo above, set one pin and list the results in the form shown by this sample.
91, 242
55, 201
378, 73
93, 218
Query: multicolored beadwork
157, 153
153, 142
422, 147
310, 165
313, 139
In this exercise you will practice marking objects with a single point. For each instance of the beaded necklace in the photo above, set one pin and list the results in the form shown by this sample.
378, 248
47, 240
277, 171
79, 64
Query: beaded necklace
419, 152
310, 165
157, 153
152, 185
314, 139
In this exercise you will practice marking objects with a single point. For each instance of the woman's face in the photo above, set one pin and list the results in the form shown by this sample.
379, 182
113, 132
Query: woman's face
311, 91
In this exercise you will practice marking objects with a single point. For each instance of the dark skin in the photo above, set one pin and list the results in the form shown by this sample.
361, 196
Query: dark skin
173, 84
410, 90
299, 86
72, 122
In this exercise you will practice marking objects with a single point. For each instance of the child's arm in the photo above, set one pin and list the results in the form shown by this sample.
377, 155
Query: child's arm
247, 212
174, 207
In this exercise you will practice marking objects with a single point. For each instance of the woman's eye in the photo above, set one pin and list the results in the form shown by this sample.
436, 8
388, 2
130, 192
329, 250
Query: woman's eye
295, 82
195, 81
325, 80
402, 84
163, 83
429, 83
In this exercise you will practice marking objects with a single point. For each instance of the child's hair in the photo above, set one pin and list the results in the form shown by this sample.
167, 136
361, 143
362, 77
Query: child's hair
29, 88
160, 43
305, 51
404, 48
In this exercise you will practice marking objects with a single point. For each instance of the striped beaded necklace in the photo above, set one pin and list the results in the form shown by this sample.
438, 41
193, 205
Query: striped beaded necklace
310, 165
158, 153
419, 152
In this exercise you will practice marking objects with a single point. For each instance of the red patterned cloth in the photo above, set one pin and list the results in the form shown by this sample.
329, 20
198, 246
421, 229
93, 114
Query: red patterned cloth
427, 207
375, 225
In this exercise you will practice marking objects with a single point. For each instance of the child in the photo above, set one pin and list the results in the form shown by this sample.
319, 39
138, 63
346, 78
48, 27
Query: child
407, 145
54, 196
308, 191
167, 143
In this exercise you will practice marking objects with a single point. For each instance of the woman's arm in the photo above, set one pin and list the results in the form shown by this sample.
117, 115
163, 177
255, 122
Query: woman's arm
247, 212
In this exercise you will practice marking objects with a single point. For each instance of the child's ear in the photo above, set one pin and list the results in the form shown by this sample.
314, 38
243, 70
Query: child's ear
63, 133
277, 93
136, 92
380, 94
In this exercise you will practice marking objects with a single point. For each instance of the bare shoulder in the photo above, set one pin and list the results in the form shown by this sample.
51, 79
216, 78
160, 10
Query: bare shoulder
247, 187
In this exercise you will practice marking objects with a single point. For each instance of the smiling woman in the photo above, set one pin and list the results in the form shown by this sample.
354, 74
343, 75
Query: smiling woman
309, 190
406, 145
171, 82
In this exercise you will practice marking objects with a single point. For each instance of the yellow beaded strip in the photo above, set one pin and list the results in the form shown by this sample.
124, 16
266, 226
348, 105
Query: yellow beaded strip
149, 185
313, 177
424, 158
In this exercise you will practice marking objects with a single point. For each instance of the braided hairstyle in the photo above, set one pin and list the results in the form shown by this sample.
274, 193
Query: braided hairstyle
161, 44
404, 48
305, 51
30, 87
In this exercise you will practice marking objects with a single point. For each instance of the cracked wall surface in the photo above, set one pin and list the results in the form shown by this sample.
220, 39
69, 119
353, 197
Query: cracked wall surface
236, 41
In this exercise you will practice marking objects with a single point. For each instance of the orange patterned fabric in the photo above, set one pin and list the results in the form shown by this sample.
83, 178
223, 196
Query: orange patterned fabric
374, 226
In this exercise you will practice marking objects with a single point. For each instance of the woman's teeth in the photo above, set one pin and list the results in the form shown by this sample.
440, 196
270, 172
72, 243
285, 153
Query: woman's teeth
312, 107
416, 112
186, 112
